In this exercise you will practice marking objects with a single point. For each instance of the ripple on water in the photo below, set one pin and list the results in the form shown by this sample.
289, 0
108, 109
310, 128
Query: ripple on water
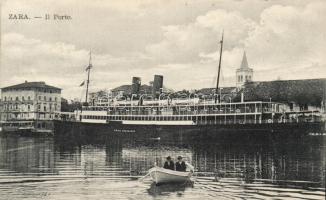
36, 168
127, 188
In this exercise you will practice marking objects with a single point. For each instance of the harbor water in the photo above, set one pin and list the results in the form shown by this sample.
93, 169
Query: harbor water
105, 167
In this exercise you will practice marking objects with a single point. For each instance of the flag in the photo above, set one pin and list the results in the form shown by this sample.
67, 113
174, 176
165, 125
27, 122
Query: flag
88, 67
83, 83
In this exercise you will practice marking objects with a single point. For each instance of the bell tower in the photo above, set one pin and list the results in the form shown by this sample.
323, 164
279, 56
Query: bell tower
244, 73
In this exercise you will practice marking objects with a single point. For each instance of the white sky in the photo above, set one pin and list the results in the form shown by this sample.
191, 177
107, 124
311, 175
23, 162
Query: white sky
176, 38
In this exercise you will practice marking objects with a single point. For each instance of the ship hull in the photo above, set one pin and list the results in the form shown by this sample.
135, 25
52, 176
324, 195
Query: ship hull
185, 132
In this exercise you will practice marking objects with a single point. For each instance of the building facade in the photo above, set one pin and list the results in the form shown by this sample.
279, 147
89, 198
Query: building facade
30, 101
299, 95
244, 73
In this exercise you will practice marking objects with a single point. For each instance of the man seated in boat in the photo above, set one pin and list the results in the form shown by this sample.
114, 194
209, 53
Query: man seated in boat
180, 165
169, 164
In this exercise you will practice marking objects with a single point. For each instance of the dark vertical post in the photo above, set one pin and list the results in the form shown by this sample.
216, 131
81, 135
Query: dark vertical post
88, 73
219, 68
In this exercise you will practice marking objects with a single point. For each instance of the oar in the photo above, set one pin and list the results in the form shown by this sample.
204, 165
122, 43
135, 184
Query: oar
142, 178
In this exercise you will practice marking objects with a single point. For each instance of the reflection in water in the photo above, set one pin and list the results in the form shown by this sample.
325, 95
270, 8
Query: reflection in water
167, 189
257, 168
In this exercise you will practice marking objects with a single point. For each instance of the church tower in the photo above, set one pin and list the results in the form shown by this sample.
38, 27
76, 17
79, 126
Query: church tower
244, 73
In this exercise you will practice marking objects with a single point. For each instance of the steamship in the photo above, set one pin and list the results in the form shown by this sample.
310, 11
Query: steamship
163, 114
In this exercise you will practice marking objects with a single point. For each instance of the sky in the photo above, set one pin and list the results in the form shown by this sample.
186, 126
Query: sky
179, 39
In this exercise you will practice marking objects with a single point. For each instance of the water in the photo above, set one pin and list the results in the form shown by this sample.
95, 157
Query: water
104, 167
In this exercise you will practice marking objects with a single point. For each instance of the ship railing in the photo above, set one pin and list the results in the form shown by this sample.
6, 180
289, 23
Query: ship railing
252, 121
246, 108
214, 108
191, 103
255, 118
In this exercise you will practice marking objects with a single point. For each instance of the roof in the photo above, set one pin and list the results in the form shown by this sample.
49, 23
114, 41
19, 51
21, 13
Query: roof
122, 88
304, 91
127, 88
27, 85
244, 62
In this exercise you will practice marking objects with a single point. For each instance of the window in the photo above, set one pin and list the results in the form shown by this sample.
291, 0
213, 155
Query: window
50, 99
44, 98
28, 107
44, 108
17, 98
5, 98
39, 97
55, 98
23, 98
29, 98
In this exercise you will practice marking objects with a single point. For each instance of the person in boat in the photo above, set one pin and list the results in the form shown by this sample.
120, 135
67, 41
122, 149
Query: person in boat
169, 164
180, 165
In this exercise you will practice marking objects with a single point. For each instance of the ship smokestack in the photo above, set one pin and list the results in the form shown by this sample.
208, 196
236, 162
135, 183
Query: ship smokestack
135, 87
157, 85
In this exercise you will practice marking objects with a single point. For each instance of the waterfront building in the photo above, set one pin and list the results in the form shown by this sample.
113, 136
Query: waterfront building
244, 73
299, 95
30, 101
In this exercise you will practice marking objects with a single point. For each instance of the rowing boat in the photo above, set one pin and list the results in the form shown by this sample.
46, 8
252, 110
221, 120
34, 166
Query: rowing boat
160, 175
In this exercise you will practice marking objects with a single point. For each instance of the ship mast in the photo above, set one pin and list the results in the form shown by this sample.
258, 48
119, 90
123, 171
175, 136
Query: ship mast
219, 69
88, 69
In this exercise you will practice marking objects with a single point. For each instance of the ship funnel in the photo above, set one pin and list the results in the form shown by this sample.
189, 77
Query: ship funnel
135, 87
157, 85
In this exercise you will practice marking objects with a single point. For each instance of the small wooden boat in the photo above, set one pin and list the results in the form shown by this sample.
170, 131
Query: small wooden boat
160, 175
